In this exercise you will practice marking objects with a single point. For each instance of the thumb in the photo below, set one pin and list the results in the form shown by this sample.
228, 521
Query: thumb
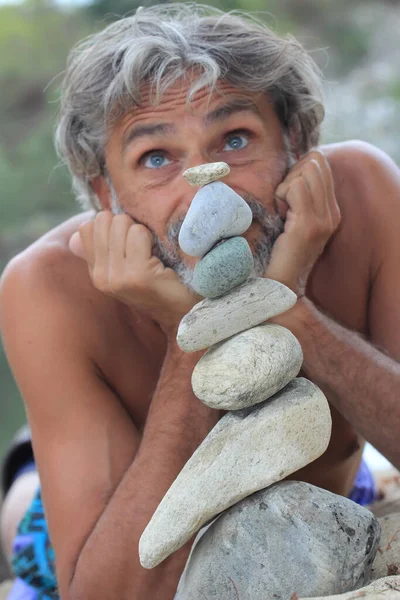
76, 246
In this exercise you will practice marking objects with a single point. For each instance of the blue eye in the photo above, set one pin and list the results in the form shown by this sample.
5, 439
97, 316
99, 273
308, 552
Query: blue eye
236, 142
156, 161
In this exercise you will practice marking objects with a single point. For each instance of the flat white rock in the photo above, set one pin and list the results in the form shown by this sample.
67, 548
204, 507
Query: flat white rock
247, 368
248, 305
203, 174
246, 451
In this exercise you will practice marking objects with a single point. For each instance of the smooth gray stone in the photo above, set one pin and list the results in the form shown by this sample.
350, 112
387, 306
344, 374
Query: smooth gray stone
246, 451
215, 319
225, 267
386, 588
203, 174
216, 212
290, 540
247, 368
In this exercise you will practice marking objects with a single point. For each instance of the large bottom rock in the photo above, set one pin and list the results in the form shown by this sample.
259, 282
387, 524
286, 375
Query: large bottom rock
387, 588
290, 540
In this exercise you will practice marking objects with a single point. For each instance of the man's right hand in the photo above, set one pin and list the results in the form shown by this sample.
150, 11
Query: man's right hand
118, 252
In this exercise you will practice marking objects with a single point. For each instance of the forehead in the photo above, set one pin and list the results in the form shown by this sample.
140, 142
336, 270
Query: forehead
173, 105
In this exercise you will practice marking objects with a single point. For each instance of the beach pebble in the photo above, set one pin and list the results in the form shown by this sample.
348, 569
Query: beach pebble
213, 320
203, 174
216, 212
246, 451
247, 368
290, 540
386, 588
387, 559
226, 266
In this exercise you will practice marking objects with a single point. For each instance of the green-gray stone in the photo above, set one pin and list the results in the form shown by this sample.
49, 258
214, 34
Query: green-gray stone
226, 266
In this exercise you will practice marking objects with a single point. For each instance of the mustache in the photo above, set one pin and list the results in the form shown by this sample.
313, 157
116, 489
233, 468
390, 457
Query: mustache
270, 225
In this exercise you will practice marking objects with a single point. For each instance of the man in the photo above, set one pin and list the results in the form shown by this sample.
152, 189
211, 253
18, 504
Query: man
89, 313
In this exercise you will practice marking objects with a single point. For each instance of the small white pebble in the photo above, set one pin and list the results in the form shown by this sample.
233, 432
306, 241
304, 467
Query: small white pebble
203, 174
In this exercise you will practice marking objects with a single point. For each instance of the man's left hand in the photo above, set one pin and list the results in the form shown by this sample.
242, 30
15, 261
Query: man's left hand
306, 200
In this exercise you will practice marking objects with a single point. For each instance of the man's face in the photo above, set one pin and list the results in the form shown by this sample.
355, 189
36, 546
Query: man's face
149, 149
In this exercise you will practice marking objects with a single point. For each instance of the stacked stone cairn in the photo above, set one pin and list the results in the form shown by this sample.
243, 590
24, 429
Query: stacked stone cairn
276, 424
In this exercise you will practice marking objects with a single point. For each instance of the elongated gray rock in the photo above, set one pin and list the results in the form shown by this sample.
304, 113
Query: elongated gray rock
247, 368
216, 212
203, 174
291, 540
246, 451
248, 305
225, 267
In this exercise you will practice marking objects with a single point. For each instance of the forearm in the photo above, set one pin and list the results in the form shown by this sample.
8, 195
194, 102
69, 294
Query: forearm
108, 565
361, 382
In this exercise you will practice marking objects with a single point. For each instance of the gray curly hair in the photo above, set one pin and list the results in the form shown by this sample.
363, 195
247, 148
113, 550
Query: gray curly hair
158, 45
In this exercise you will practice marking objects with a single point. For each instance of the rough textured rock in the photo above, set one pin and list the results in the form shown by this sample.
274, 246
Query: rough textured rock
246, 451
387, 560
215, 319
216, 212
292, 538
203, 174
247, 368
225, 267
387, 588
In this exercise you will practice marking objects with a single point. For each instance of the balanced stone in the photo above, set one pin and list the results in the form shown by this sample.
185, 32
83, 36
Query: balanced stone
213, 320
387, 560
203, 174
386, 588
290, 540
226, 266
246, 451
247, 368
216, 212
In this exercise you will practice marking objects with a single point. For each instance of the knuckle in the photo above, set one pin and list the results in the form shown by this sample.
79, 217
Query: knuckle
103, 217
140, 230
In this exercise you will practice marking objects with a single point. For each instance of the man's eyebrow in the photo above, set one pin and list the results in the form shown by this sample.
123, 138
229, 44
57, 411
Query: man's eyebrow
230, 108
161, 129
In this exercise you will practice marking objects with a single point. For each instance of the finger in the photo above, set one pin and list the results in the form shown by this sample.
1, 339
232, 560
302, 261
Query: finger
296, 195
312, 175
76, 246
139, 242
102, 226
117, 241
330, 187
86, 236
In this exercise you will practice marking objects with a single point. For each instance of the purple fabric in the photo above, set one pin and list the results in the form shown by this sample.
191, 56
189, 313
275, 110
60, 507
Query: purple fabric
364, 490
21, 591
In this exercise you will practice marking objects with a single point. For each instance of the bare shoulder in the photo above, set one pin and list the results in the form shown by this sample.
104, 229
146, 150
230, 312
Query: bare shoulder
362, 169
46, 283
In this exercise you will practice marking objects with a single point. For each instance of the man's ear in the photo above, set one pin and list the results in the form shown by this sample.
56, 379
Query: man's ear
101, 189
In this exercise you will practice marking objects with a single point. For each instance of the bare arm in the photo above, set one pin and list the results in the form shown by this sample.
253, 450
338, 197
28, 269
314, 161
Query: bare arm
100, 481
362, 382
363, 377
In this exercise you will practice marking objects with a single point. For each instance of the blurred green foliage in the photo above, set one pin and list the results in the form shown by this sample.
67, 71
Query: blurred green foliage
35, 38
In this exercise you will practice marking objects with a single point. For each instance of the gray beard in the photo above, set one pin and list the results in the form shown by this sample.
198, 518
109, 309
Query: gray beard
271, 226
